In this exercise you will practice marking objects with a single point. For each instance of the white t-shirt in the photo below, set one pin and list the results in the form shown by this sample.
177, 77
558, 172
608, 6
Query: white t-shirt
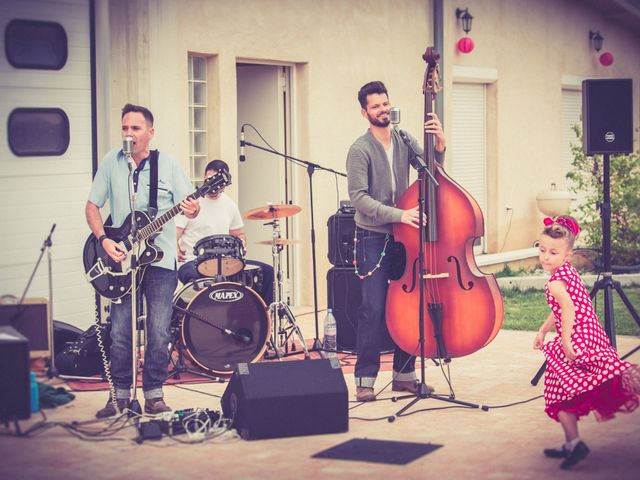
216, 217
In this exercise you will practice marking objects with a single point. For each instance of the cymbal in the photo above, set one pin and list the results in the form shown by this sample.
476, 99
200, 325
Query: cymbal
269, 212
279, 241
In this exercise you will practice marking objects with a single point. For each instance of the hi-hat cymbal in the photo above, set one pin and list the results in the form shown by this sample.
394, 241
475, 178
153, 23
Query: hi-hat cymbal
270, 212
280, 241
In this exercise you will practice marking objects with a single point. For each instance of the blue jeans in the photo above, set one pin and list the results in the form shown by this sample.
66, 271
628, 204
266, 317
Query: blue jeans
188, 273
158, 287
371, 314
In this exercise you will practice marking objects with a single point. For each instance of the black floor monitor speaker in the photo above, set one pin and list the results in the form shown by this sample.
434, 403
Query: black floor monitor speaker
286, 399
15, 398
344, 292
607, 116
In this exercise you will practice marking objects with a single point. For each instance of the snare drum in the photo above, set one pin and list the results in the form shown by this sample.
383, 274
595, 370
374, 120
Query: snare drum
219, 255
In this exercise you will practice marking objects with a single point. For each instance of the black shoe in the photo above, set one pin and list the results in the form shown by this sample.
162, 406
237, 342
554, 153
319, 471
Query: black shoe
110, 411
556, 452
579, 452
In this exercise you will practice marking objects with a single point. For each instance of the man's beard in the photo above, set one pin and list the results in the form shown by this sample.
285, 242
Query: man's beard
378, 122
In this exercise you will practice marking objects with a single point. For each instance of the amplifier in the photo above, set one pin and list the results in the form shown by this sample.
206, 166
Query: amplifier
31, 319
342, 228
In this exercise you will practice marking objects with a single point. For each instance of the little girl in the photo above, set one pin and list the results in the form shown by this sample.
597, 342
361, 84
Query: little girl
584, 372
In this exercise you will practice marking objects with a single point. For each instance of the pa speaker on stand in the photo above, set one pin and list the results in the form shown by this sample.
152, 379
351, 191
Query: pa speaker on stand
607, 116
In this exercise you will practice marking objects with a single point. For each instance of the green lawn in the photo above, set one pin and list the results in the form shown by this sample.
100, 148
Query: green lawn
527, 309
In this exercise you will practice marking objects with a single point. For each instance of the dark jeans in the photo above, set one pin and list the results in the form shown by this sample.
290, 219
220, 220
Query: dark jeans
188, 273
371, 314
158, 287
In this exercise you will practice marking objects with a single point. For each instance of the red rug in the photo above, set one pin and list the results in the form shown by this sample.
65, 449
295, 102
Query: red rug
347, 363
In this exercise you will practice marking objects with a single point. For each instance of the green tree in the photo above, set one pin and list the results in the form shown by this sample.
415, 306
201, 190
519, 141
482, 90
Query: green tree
587, 178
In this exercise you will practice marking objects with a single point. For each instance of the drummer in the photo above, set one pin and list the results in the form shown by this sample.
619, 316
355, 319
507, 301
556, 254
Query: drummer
219, 215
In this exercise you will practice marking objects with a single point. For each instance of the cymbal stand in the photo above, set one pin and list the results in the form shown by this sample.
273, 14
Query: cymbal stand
284, 322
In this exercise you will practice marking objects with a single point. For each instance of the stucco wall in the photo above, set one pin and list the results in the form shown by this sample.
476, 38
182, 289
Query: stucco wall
335, 46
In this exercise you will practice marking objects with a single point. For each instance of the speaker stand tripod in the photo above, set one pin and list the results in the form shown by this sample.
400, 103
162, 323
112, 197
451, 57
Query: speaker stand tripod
607, 284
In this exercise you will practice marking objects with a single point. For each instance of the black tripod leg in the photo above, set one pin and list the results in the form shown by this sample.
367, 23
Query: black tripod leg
536, 378
609, 322
627, 303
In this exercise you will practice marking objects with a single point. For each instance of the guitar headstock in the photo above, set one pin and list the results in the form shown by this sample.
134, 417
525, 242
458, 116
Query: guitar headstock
213, 184
432, 73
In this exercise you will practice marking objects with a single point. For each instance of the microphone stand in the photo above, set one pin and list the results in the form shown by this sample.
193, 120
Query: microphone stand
135, 404
52, 371
419, 164
311, 168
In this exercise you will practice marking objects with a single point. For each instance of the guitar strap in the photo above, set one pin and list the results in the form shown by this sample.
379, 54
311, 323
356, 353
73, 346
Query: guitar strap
153, 184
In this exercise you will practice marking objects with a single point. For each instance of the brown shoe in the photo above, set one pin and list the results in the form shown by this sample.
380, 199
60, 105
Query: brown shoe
153, 406
110, 411
412, 386
365, 394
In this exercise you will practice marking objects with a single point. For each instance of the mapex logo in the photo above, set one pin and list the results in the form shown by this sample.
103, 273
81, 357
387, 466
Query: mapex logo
226, 295
609, 137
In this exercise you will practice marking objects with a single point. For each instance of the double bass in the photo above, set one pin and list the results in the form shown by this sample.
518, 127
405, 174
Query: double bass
462, 307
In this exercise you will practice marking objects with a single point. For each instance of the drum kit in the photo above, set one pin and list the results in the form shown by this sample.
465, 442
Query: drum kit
219, 319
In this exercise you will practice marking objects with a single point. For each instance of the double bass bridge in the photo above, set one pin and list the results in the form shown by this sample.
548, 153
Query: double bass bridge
433, 276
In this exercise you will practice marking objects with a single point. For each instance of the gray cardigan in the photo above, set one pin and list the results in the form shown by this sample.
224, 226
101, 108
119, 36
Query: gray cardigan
369, 180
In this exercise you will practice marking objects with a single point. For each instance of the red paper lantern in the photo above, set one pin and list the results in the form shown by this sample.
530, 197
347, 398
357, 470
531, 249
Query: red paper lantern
606, 59
465, 45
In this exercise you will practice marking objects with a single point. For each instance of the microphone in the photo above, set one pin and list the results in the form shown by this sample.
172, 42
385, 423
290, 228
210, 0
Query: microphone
394, 116
127, 145
242, 157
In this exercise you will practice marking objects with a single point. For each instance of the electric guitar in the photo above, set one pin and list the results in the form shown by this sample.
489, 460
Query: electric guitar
112, 279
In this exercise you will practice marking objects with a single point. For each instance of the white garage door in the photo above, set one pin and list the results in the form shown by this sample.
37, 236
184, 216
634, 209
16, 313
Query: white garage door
45, 150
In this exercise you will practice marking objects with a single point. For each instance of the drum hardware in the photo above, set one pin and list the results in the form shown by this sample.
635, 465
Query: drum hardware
218, 325
284, 322
285, 242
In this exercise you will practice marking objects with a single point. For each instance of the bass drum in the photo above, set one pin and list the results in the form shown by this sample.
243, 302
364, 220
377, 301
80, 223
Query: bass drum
229, 306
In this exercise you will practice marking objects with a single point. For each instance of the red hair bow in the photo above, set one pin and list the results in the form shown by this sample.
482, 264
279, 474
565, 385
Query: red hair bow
566, 222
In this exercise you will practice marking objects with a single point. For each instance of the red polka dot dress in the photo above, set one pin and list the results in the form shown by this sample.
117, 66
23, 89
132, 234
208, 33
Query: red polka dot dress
597, 380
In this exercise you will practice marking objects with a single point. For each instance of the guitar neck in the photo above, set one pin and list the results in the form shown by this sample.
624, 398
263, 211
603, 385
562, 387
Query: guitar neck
152, 227
211, 185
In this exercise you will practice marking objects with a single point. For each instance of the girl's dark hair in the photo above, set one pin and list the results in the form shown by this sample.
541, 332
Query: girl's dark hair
558, 229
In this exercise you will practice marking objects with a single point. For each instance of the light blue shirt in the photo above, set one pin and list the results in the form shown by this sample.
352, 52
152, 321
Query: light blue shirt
112, 183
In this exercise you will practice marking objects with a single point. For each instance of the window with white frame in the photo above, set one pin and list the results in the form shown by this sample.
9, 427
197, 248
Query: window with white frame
468, 140
198, 152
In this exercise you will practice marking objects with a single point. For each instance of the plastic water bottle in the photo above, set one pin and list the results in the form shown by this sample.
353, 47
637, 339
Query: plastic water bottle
35, 400
329, 344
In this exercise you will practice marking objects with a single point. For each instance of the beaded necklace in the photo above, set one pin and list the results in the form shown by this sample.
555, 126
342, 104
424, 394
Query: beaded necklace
355, 262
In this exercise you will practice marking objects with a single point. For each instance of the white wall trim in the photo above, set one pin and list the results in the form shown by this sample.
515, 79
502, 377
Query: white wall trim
572, 82
461, 73
503, 257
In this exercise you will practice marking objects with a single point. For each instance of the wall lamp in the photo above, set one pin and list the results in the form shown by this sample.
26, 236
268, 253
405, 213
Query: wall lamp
596, 40
466, 18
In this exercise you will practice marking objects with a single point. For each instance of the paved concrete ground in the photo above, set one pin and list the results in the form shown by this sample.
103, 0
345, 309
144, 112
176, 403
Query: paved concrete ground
503, 443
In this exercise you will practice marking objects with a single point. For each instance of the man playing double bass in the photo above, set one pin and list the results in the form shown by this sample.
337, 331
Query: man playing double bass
378, 175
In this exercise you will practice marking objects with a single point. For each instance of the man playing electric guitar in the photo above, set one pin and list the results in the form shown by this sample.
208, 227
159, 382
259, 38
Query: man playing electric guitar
160, 279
